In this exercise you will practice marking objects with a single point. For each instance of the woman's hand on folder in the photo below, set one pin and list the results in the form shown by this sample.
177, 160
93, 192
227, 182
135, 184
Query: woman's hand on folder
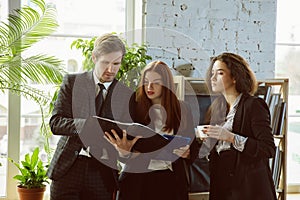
122, 145
183, 152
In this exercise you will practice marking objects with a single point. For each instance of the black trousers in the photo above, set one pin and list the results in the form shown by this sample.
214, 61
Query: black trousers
156, 185
83, 181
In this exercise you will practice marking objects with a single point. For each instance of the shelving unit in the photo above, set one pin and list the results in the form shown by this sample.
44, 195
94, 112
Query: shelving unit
186, 86
280, 86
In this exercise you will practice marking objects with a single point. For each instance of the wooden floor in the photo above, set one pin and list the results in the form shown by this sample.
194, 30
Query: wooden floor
198, 196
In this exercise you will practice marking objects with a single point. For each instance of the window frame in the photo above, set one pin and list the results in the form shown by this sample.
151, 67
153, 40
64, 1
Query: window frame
14, 101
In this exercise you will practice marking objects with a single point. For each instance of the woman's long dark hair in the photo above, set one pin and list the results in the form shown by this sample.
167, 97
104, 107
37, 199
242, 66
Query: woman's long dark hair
245, 83
240, 71
169, 101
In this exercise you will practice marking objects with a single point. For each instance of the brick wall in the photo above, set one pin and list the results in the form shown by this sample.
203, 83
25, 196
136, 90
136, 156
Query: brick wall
186, 33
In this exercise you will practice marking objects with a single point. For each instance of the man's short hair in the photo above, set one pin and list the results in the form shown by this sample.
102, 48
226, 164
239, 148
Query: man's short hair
108, 43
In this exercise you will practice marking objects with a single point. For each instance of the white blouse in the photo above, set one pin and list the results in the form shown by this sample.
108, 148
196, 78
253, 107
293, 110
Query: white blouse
239, 141
158, 127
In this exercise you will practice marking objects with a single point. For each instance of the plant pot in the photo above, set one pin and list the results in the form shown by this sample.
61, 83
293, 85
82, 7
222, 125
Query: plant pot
31, 194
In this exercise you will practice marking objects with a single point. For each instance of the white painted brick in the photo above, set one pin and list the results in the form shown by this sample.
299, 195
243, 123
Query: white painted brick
213, 26
200, 10
247, 45
266, 45
265, 75
266, 66
252, 7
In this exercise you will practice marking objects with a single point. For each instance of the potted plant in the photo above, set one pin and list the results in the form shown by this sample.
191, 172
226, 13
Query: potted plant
25, 27
134, 60
132, 64
32, 179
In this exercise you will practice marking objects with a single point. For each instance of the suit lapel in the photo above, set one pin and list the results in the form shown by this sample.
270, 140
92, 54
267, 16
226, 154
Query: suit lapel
237, 122
91, 89
83, 97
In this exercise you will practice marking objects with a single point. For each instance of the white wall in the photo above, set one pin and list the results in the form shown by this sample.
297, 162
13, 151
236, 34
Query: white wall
191, 31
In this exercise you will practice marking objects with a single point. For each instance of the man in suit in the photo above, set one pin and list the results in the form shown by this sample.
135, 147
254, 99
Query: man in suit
84, 164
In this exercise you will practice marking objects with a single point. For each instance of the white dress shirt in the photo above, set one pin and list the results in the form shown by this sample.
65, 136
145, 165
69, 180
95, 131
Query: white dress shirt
86, 152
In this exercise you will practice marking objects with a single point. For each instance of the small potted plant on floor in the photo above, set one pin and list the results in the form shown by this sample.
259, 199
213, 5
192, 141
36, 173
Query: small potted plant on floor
32, 178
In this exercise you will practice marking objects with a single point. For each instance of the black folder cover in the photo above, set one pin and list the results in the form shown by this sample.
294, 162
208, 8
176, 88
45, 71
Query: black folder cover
150, 141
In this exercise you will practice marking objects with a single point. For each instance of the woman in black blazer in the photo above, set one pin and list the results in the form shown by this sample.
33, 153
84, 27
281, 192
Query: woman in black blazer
159, 174
240, 127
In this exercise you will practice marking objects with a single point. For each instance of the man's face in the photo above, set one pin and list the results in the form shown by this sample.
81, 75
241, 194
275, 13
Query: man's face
107, 66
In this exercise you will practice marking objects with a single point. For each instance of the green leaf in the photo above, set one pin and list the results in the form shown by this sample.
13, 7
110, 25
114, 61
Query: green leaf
34, 158
34, 172
25, 27
134, 60
28, 26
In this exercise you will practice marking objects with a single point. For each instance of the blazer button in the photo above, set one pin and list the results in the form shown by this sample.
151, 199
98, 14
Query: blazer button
76, 153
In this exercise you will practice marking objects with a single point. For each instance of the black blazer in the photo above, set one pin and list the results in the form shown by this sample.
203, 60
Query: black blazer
136, 168
75, 104
246, 174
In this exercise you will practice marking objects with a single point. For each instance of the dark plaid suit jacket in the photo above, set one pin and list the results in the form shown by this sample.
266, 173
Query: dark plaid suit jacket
75, 104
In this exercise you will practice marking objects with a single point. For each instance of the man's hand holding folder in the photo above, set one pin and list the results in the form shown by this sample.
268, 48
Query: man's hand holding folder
149, 140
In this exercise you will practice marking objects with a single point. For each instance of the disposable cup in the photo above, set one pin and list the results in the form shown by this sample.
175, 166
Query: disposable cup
200, 132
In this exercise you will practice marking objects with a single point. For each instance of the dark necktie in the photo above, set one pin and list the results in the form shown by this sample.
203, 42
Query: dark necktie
99, 99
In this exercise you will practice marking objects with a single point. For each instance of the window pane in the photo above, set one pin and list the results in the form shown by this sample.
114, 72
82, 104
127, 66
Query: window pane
84, 20
30, 136
287, 60
3, 117
91, 18
3, 10
76, 20
288, 27
3, 142
287, 66
59, 47
293, 158
31, 120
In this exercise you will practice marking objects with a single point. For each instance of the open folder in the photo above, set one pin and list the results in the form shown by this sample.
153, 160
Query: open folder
150, 141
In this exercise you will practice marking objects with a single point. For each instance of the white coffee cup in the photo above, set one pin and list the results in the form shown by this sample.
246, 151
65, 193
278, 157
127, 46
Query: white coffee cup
200, 132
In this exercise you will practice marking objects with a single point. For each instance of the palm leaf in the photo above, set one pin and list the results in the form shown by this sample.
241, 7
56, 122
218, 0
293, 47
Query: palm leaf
27, 27
26, 91
47, 69
41, 69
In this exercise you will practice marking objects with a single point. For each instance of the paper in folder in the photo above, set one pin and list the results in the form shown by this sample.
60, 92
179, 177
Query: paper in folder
150, 141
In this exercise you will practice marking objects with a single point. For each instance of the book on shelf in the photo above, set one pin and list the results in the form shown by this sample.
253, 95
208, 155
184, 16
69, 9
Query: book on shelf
273, 107
150, 141
275, 116
276, 105
264, 92
277, 166
279, 118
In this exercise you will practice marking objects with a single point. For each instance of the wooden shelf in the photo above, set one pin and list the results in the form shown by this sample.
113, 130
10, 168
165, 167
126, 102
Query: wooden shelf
199, 196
